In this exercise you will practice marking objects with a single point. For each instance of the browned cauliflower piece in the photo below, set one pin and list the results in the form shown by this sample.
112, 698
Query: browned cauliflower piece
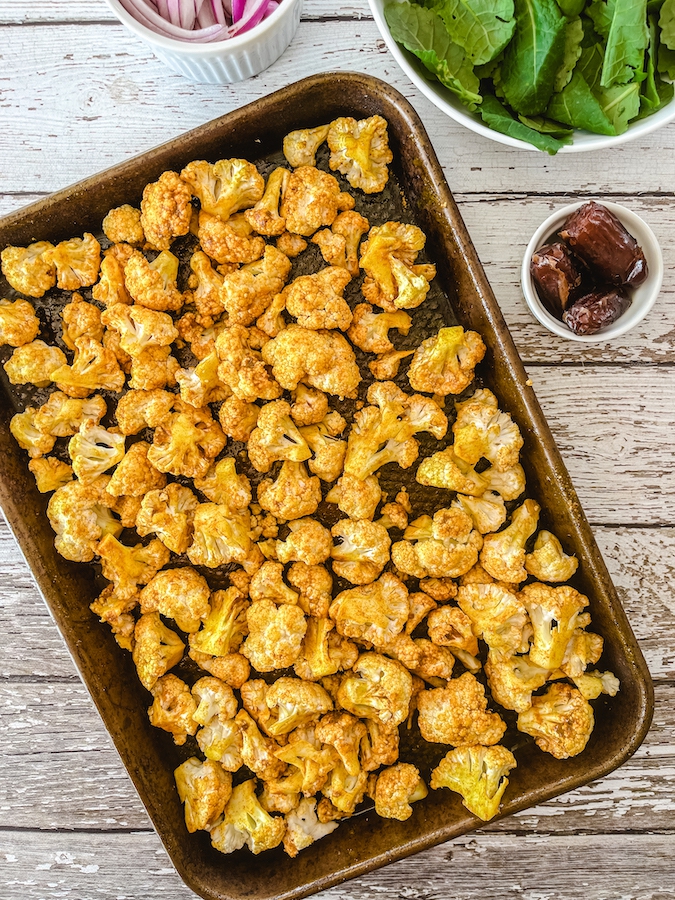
80, 319
80, 515
357, 498
18, 323
444, 364
205, 284
362, 551
238, 418
215, 699
153, 369
328, 451
303, 827
456, 714
26, 269
446, 470
435, 663
229, 242
201, 385
137, 410
135, 476
247, 292
309, 406
339, 244
312, 199
548, 561
377, 688
482, 431
225, 626
387, 257
245, 823
224, 485
111, 287
93, 450
77, 261
315, 585
583, 648
498, 616
554, 613
324, 651
396, 788
140, 328
172, 708
446, 546
95, 368
166, 210
421, 605
122, 225
272, 322
443, 589
478, 774
288, 704
374, 613
379, 747
168, 514
156, 649
178, 594
222, 536
293, 495
224, 187
205, 788
394, 515
343, 732
503, 553
275, 635
186, 442
300, 146
127, 567
450, 627
360, 151
291, 244
513, 678
317, 301
264, 216
27, 434
276, 437
370, 330
308, 542
268, 584
345, 791
560, 721
592, 684
221, 741
385, 367
242, 367
34, 363
50, 473
153, 284
487, 512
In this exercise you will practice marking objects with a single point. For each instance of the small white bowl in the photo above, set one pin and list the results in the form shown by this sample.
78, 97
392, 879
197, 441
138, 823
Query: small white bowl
222, 62
643, 297
448, 103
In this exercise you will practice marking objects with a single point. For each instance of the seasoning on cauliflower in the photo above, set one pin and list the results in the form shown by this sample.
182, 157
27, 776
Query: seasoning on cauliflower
583, 648
444, 364
18, 323
275, 635
139, 328
245, 823
276, 437
93, 450
487, 512
355, 497
322, 359
343, 733
186, 442
370, 331
221, 740
477, 773
503, 553
324, 651
317, 301
258, 751
95, 368
178, 594
308, 542
27, 434
62, 416
247, 292
156, 649
224, 187
205, 788
377, 688
153, 369
238, 418
201, 385
312, 199
26, 269
387, 257
223, 536
339, 244
328, 451
80, 515
222, 484
153, 284
300, 146
435, 663
363, 550
314, 585
224, 627
127, 567
450, 627
482, 431
294, 494
592, 684
303, 827
512, 679
456, 714
446, 546
213, 699
374, 613
560, 721
135, 476
498, 616
80, 319
137, 410
242, 367
205, 284
168, 513
264, 216
231, 242
50, 473
554, 613
396, 788
345, 791
292, 703
548, 561
122, 225
446, 470
111, 287
166, 210
421, 605
77, 262
173, 708
268, 584
34, 363
360, 151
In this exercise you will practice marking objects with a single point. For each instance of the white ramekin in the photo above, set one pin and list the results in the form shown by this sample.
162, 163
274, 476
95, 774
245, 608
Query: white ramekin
222, 62
643, 297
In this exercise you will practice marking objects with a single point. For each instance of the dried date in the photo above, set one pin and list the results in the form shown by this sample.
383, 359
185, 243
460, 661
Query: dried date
596, 310
557, 277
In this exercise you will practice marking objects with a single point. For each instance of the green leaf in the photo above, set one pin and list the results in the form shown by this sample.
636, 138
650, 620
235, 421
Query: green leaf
649, 95
571, 8
534, 56
574, 34
548, 126
627, 41
590, 65
666, 92
601, 12
667, 24
666, 63
482, 27
498, 118
620, 104
422, 32
577, 106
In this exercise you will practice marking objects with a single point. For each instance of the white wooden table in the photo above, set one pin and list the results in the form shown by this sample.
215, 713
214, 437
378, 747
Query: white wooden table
77, 94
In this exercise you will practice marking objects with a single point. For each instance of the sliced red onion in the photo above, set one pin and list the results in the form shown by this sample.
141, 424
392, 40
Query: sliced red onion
238, 9
271, 6
253, 12
199, 20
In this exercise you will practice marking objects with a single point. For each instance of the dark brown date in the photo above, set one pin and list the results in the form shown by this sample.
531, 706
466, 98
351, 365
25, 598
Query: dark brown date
599, 238
596, 310
556, 277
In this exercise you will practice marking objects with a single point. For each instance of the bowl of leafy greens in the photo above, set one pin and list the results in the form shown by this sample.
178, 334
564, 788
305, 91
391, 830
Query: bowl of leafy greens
551, 75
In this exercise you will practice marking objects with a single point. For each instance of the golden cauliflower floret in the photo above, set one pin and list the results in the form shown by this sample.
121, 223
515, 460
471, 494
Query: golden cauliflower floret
215, 699
222, 484
374, 613
18, 323
303, 827
328, 451
276, 437
446, 470
153, 284
340, 245
421, 605
379, 747
247, 292
481, 430
291, 244
201, 385
28, 435
294, 494
370, 331
487, 512
34, 363
137, 410
238, 418
222, 742
309, 406
314, 585
456, 714
498, 616
444, 364
166, 210
80, 515
225, 626
275, 635
186, 442
205, 283
26, 269
435, 663
135, 476
111, 287
321, 359
344, 733
94, 450
264, 216
168, 514
387, 257
362, 551
560, 721
345, 791
555, 614
360, 151
324, 651
178, 594
224, 187
478, 774
139, 328
127, 567
292, 703
62, 415
246, 823
396, 788
503, 553
308, 542
116, 611
205, 788
377, 688
50, 473
153, 369
450, 627
242, 367
312, 200
95, 368
357, 498
316, 301
513, 678
156, 649
229, 242
77, 262
80, 319
300, 146
446, 546
223, 536
548, 561
268, 584
173, 708
122, 225
583, 648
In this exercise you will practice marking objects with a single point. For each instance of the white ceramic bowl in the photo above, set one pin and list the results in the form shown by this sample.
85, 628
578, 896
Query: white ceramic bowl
221, 62
446, 101
643, 297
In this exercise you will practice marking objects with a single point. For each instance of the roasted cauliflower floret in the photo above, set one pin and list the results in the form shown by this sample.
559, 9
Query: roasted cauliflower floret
153, 369
345, 791
258, 751
134, 475
264, 216
446, 470
201, 385
592, 684
362, 551
276, 437
396, 788
294, 494
293, 703
512, 679
478, 774
560, 721
34, 363
186, 442
275, 635
247, 292
26, 269
554, 613
238, 418
137, 410
139, 328
50, 473
80, 515
173, 708
374, 613
503, 553
62, 416
222, 484
221, 741
314, 585
166, 210
93, 450
245, 822
225, 626
357, 498
224, 187
328, 450
205, 788
343, 733
300, 146
456, 714
446, 546
387, 257
95, 368
27, 434
77, 262
153, 284
303, 827
242, 367
583, 648
377, 688
309, 542
339, 245
111, 287
312, 199
128, 567
444, 364
370, 330
178, 594
435, 663
322, 359
205, 284
498, 616
451, 627
80, 319
317, 301
482, 431
18, 323
223, 536
268, 584
360, 151
487, 512
324, 651
230, 242
156, 649
122, 225
548, 561
168, 513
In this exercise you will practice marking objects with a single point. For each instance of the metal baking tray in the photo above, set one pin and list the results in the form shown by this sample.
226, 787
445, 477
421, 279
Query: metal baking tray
461, 294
